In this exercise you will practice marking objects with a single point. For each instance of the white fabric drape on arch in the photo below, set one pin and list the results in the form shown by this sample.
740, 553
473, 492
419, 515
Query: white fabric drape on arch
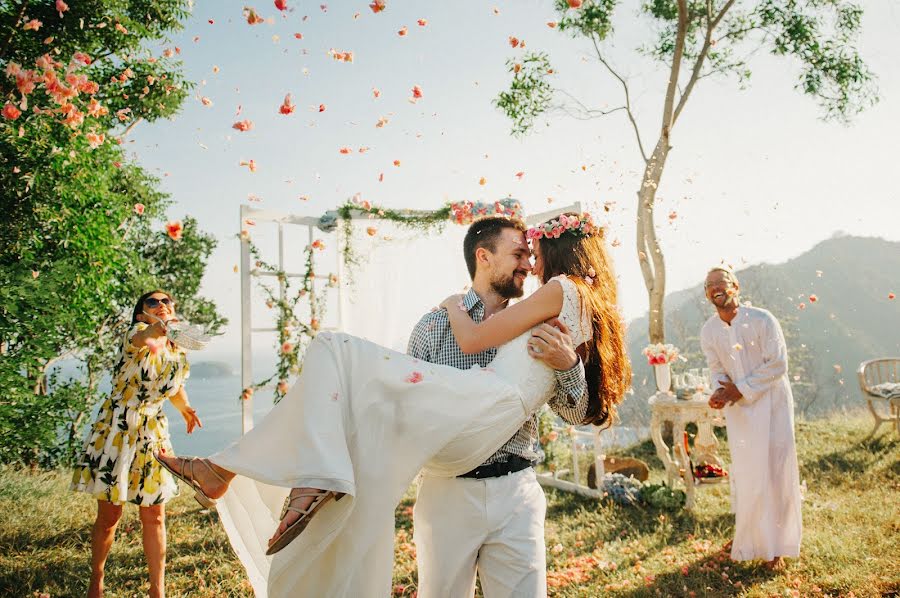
400, 279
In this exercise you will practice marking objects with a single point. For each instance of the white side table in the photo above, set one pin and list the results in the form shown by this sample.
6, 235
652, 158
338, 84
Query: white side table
665, 407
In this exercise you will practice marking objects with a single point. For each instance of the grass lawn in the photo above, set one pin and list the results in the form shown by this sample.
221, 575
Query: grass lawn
851, 541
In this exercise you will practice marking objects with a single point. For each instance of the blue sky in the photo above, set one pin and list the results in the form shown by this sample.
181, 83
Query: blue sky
755, 175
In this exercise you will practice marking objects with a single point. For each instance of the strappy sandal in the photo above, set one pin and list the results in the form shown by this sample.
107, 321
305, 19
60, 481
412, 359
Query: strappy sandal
293, 530
188, 463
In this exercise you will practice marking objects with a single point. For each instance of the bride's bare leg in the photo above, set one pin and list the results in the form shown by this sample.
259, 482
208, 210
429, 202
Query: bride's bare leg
214, 480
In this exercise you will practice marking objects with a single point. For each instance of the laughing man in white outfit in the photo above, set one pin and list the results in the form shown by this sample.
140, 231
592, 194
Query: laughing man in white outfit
748, 361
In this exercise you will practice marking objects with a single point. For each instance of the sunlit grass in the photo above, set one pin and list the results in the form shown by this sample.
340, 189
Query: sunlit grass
851, 541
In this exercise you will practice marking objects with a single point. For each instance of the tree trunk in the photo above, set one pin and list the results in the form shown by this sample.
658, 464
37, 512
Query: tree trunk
650, 255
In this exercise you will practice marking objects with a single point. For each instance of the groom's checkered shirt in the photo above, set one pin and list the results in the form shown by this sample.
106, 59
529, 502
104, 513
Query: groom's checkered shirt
432, 340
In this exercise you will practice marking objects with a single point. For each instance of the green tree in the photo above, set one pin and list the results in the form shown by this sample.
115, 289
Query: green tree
695, 40
82, 235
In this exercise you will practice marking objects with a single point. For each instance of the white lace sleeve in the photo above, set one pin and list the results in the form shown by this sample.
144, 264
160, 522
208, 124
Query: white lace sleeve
572, 314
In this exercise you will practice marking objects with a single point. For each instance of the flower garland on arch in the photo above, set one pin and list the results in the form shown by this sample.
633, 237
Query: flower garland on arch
295, 335
461, 212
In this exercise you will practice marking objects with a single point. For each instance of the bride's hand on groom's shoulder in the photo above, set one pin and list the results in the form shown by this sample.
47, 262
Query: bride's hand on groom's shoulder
453, 302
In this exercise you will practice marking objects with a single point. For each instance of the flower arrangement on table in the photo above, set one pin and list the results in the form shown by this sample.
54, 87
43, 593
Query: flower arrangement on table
703, 471
661, 354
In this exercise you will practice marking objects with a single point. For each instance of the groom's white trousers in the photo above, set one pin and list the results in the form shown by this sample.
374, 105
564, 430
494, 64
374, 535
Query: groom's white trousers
492, 526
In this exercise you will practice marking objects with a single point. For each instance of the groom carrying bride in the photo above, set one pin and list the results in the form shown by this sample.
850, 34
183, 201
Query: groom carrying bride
490, 520
362, 420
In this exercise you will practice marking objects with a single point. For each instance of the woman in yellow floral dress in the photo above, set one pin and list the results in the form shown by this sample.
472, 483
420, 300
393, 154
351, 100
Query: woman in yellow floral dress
117, 464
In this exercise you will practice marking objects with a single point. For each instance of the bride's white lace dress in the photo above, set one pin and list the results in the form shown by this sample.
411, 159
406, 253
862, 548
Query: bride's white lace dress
365, 420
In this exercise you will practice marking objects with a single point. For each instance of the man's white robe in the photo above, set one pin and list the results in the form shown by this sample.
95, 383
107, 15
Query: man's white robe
765, 482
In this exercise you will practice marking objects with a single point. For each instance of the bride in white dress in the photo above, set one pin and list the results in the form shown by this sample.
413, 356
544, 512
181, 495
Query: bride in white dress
362, 421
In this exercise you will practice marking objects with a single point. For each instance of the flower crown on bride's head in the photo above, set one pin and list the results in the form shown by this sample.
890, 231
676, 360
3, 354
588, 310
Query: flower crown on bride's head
581, 226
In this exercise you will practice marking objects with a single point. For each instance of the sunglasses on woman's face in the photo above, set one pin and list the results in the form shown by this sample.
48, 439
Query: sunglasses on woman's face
153, 302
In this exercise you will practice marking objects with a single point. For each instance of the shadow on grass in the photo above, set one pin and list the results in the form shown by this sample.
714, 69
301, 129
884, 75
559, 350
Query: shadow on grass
636, 520
858, 460
715, 574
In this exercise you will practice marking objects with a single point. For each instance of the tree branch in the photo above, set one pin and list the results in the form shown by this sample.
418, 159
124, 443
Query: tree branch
586, 113
704, 52
637, 132
668, 120
128, 129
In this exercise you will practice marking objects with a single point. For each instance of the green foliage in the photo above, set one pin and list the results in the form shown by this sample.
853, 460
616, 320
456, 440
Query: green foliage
820, 36
661, 496
529, 92
593, 19
81, 235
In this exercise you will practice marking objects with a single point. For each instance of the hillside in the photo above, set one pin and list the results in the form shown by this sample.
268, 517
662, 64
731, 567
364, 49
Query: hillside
850, 543
852, 320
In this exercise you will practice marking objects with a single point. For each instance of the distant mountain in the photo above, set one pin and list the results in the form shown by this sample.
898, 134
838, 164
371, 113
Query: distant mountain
851, 320
208, 370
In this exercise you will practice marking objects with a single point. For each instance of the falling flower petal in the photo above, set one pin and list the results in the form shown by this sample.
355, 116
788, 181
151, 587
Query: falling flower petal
321, 107
376, 92
416, 92
813, 298
286, 106
61, 7
397, 163
252, 16
372, 231
206, 101
281, 5
422, 22
243, 125
139, 209
403, 31
377, 6
520, 174
414, 378
575, 3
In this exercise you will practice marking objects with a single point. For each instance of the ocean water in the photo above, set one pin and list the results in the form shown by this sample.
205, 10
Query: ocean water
217, 401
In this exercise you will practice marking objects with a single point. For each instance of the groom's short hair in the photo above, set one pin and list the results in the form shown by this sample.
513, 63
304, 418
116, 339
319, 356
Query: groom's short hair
485, 232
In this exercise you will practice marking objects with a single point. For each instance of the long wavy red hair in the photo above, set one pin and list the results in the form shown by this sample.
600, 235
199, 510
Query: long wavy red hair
585, 260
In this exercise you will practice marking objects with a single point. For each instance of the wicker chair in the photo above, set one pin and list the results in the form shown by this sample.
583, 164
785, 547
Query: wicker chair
872, 375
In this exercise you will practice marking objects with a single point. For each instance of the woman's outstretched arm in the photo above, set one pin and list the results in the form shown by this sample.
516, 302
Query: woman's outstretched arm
506, 325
